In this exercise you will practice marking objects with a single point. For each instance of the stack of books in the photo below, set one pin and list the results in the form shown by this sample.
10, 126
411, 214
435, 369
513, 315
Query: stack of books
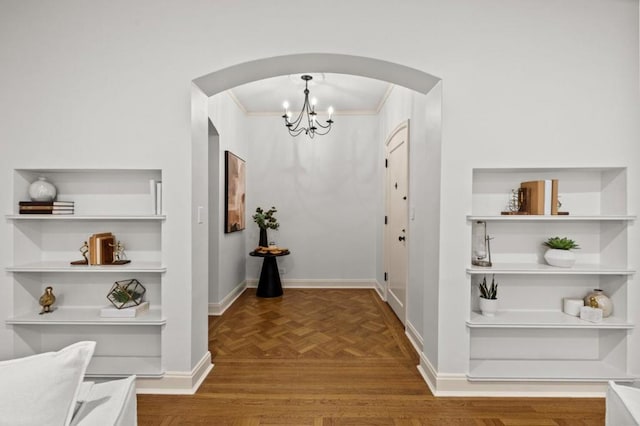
101, 248
46, 207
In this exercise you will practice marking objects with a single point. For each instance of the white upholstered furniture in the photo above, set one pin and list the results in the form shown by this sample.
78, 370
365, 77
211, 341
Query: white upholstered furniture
623, 404
47, 389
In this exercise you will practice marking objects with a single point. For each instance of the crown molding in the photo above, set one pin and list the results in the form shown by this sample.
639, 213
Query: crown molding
237, 101
278, 113
383, 101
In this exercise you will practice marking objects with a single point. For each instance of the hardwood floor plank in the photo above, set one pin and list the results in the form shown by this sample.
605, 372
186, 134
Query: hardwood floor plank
333, 357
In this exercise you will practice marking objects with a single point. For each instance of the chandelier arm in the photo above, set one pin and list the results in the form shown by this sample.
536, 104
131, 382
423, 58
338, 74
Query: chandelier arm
297, 121
295, 132
323, 131
326, 126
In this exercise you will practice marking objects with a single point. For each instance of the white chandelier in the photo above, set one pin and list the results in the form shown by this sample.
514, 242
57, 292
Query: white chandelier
307, 121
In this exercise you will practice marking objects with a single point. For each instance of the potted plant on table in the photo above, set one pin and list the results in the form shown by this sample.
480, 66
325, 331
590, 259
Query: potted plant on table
559, 252
265, 220
488, 297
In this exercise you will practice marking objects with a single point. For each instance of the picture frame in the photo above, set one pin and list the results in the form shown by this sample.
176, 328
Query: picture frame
234, 193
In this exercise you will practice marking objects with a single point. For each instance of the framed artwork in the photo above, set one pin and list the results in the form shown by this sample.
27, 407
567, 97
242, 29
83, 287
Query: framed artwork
234, 192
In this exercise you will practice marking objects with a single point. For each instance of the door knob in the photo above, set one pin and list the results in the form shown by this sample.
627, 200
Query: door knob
401, 238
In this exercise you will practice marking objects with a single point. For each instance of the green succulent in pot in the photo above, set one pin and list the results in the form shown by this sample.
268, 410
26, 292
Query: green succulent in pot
563, 243
559, 253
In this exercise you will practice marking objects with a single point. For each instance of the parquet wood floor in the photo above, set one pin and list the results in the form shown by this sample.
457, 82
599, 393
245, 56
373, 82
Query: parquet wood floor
333, 358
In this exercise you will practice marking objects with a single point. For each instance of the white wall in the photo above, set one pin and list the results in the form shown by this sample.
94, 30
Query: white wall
325, 190
526, 83
231, 124
199, 228
424, 115
214, 212
530, 84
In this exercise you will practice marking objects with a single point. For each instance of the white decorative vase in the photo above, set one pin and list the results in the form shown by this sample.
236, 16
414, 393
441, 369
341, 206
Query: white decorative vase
561, 258
488, 307
601, 300
42, 190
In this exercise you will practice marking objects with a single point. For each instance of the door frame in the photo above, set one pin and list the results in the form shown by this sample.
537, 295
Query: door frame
385, 232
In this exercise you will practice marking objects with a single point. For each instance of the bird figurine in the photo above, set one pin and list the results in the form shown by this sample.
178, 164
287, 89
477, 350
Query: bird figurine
46, 300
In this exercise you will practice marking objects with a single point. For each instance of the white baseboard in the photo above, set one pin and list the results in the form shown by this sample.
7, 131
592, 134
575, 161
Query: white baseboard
217, 309
177, 382
428, 373
414, 337
313, 283
381, 290
458, 385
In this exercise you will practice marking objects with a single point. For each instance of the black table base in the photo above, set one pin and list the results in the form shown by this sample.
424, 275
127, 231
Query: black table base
269, 284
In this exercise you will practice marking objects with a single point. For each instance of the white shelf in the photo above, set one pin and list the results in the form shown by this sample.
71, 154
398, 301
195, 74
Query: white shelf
542, 319
83, 217
551, 218
62, 266
117, 200
532, 340
122, 366
545, 370
85, 316
536, 268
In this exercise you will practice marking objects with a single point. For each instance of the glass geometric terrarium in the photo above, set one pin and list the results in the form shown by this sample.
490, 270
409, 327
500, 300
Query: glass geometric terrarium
126, 293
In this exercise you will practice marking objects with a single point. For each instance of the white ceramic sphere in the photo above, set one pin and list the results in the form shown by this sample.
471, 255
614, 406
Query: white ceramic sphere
603, 301
42, 190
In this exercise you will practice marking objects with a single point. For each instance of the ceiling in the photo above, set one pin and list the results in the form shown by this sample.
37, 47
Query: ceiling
348, 94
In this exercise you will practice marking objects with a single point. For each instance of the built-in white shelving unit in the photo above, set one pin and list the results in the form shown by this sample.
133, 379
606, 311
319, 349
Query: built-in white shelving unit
530, 338
117, 201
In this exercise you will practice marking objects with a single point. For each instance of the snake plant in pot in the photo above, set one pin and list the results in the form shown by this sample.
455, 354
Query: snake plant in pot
488, 297
559, 252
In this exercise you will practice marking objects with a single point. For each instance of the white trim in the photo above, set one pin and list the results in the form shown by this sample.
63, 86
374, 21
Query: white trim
414, 337
458, 385
237, 101
379, 288
384, 98
217, 309
315, 283
177, 382
428, 373
320, 114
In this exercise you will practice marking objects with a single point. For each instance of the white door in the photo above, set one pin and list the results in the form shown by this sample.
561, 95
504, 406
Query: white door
396, 210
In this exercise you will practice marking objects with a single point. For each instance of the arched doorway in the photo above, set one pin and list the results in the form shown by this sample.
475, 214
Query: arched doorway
227, 78
416, 80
